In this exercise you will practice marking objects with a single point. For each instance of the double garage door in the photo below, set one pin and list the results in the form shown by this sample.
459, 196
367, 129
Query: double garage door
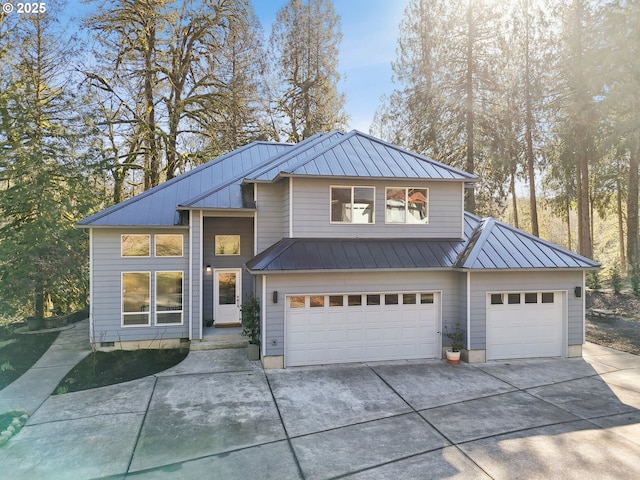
524, 325
361, 327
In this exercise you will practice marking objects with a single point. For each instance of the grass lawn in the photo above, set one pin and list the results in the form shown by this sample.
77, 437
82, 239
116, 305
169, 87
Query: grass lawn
18, 352
100, 369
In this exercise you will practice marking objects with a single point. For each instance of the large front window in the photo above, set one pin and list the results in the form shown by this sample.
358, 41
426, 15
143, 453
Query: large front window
136, 288
352, 204
168, 298
407, 205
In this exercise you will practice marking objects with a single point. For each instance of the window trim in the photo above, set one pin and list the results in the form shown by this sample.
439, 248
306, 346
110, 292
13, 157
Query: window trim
123, 313
215, 246
406, 206
155, 244
352, 187
155, 300
122, 235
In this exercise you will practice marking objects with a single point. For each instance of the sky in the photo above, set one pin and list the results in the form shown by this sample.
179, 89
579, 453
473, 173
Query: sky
369, 40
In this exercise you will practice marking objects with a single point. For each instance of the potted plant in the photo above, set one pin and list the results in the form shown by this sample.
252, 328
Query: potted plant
251, 325
455, 339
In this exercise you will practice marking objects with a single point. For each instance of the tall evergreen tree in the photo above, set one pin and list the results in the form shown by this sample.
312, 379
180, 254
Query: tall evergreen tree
304, 42
44, 171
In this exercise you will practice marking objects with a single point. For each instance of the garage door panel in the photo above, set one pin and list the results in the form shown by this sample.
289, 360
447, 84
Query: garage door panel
337, 334
525, 330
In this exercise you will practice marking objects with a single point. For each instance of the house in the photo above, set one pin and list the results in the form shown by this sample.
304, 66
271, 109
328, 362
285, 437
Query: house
357, 249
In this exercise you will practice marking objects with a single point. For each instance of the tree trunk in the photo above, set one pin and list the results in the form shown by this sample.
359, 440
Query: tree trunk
632, 209
533, 205
514, 199
152, 156
470, 163
623, 258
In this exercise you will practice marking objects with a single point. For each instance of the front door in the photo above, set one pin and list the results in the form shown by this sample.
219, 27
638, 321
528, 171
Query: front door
227, 292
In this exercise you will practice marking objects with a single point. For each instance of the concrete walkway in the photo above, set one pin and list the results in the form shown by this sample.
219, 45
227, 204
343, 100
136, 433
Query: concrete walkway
217, 415
33, 388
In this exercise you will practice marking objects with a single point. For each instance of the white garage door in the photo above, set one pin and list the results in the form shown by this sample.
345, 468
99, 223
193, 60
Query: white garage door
524, 325
361, 327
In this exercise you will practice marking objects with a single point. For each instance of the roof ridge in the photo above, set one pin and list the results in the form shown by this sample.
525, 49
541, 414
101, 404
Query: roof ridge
307, 143
245, 174
168, 183
547, 243
416, 155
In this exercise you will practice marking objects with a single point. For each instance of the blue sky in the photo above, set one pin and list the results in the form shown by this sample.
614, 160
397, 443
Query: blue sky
369, 39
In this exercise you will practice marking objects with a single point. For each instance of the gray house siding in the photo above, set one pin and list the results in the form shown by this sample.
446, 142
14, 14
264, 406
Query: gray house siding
525, 281
311, 212
356, 282
225, 226
271, 214
197, 270
108, 265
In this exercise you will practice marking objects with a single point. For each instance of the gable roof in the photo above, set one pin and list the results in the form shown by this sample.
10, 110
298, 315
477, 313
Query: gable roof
218, 183
357, 154
488, 245
496, 245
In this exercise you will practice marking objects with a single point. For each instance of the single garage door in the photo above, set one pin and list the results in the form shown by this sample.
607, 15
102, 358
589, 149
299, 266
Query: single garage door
524, 325
361, 327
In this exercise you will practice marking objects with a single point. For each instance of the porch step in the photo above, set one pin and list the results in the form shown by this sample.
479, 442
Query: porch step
215, 342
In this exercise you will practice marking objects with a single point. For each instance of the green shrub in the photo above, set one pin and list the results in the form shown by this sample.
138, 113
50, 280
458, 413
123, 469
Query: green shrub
593, 280
616, 279
251, 319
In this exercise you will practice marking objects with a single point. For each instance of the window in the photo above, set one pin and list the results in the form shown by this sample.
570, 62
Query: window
316, 301
168, 245
135, 245
168, 298
336, 300
355, 300
373, 299
136, 289
227, 244
513, 298
407, 205
497, 299
530, 298
547, 297
352, 204
296, 302
426, 298
391, 299
409, 299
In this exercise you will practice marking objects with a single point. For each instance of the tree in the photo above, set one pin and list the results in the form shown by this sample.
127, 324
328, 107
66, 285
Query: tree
44, 152
304, 41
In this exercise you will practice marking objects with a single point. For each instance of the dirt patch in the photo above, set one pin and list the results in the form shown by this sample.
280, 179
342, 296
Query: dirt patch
621, 331
100, 369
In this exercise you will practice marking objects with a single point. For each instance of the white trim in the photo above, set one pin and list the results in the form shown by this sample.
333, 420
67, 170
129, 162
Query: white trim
148, 235
373, 214
91, 282
190, 286
263, 317
200, 273
469, 311
155, 244
155, 300
290, 207
255, 220
462, 195
122, 312
406, 205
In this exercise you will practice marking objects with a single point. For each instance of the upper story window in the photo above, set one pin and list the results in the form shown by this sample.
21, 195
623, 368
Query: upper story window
353, 204
407, 205
135, 245
168, 245
227, 244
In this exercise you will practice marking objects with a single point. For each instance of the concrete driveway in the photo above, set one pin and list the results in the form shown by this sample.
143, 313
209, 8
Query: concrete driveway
216, 415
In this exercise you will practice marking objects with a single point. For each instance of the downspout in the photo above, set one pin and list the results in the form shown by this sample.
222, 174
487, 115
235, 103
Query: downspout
255, 220
263, 317
91, 298
468, 311
290, 207
190, 275
201, 274
584, 309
